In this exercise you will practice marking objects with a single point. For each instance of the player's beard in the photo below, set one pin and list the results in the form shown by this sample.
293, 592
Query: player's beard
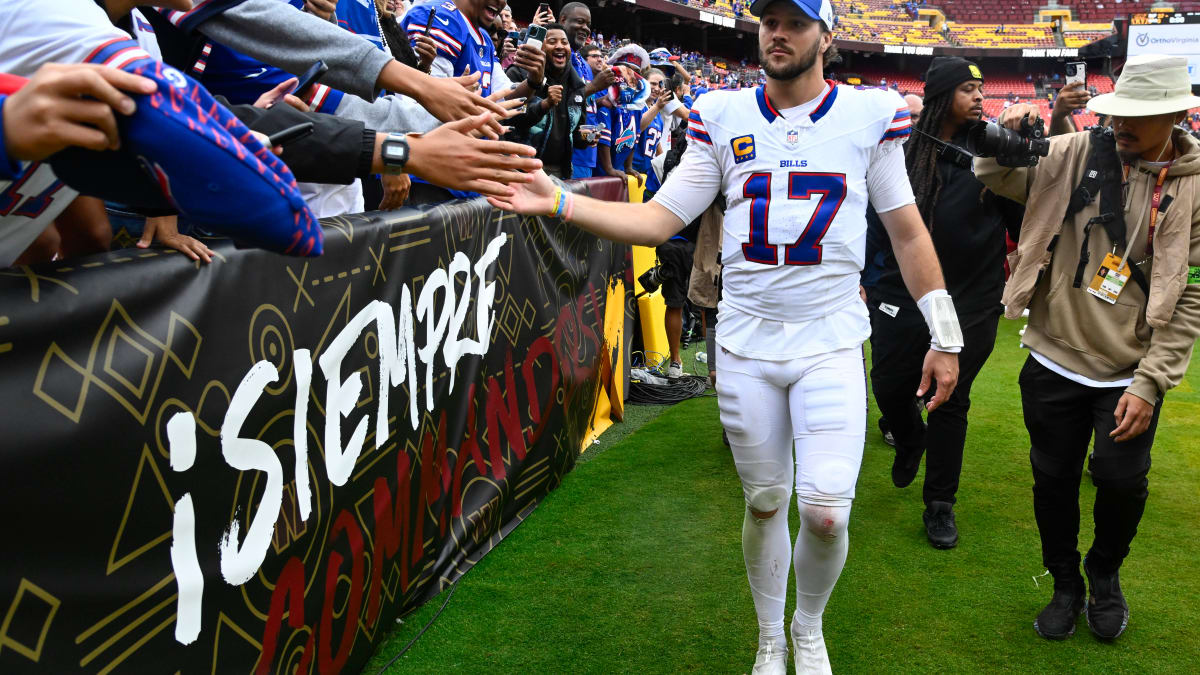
791, 71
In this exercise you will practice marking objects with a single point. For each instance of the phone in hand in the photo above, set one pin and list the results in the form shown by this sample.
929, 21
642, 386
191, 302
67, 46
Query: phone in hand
543, 7
536, 36
429, 21
290, 134
309, 78
1076, 72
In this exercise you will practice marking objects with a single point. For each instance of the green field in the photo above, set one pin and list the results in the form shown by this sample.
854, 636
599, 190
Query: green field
634, 563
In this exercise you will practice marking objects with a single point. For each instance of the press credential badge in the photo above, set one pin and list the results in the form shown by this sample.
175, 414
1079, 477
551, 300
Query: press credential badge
1108, 282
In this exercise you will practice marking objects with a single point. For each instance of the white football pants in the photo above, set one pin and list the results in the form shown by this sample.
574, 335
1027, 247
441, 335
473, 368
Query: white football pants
794, 425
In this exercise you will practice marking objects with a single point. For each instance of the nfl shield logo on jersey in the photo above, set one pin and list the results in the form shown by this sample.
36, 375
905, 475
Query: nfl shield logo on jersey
743, 148
793, 137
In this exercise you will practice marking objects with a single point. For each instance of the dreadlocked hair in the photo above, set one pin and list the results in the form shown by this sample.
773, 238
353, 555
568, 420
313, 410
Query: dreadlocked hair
921, 154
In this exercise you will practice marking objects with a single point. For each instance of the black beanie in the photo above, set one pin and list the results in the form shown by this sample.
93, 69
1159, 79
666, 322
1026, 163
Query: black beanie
947, 72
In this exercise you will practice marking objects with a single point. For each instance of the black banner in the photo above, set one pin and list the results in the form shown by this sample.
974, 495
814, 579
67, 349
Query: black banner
258, 464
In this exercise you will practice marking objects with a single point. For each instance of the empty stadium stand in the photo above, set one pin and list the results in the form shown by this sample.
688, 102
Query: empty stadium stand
888, 32
1014, 36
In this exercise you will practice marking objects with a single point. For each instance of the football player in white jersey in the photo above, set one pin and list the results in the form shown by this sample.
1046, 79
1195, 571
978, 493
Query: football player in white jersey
797, 160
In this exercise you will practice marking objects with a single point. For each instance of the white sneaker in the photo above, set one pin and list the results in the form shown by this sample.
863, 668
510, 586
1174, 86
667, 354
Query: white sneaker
675, 370
811, 656
771, 658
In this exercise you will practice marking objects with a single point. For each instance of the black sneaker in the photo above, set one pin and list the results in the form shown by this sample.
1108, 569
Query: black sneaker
939, 525
1057, 620
886, 431
905, 467
1107, 611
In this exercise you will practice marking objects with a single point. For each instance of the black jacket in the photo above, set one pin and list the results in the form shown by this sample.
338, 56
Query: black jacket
535, 126
969, 223
338, 151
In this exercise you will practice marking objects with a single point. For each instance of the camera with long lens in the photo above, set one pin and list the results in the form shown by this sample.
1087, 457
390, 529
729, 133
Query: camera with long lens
652, 278
1010, 148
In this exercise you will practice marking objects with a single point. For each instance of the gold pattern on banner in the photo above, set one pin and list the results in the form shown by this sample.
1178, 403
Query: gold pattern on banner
271, 340
228, 628
35, 286
145, 494
5, 346
300, 290
341, 225
121, 362
28, 620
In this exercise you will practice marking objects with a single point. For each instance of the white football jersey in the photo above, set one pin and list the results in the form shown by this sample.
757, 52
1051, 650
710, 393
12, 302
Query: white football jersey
796, 190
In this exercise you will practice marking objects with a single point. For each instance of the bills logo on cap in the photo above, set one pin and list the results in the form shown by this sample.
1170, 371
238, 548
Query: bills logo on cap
743, 148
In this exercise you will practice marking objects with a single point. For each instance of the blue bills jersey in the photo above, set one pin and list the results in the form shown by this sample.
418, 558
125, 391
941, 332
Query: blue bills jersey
619, 133
359, 17
647, 145
458, 40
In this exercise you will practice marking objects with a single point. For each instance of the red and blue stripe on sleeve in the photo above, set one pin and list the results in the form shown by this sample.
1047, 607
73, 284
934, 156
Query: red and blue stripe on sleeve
696, 130
900, 127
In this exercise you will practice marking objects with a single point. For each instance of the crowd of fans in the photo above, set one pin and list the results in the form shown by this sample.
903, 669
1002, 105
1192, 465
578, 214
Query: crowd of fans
578, 102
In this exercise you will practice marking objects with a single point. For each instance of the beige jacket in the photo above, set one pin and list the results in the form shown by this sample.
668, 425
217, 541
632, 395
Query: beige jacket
1148, 339
706, 263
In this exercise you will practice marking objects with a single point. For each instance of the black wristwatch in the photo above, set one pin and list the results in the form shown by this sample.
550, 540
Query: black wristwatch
394, 152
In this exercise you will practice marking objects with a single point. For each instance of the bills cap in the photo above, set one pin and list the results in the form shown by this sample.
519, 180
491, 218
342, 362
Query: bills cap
817, 10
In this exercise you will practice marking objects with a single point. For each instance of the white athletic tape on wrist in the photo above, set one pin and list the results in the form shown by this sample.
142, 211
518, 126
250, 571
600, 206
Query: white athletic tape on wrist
938, 309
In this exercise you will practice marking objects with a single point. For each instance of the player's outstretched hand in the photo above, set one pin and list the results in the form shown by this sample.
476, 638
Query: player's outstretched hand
451, 157
942, 368
55, 109
535, 198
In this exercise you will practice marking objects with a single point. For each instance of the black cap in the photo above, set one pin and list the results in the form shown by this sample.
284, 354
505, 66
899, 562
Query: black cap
947, 72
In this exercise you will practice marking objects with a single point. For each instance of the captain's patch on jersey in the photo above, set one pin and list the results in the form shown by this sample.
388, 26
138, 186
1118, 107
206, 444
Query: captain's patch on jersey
743, 148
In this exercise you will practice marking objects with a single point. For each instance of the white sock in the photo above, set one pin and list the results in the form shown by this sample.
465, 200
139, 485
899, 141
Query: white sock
820, 554
765, 545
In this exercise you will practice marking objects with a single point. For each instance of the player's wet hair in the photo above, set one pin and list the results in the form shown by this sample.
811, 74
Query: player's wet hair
920, 155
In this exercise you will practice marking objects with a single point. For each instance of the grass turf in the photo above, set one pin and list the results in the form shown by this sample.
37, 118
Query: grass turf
634, 563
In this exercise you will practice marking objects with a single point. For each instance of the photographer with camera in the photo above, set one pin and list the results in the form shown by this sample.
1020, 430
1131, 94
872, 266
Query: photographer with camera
967, 224
1108, 264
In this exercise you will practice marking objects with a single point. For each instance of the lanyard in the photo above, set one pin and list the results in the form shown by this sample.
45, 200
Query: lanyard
1155, 202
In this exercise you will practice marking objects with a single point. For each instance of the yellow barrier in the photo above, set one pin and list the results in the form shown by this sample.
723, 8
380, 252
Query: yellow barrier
651, 308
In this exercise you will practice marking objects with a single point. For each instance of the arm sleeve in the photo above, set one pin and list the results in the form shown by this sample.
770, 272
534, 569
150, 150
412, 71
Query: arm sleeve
1009, 182
8, 168
1166, 361
333, 153
887, 178
692, 185
388, 113
277, 33
604, 119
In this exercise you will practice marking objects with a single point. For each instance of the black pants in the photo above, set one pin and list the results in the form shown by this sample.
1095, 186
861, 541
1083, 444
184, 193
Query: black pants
1062, 416
898, 348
